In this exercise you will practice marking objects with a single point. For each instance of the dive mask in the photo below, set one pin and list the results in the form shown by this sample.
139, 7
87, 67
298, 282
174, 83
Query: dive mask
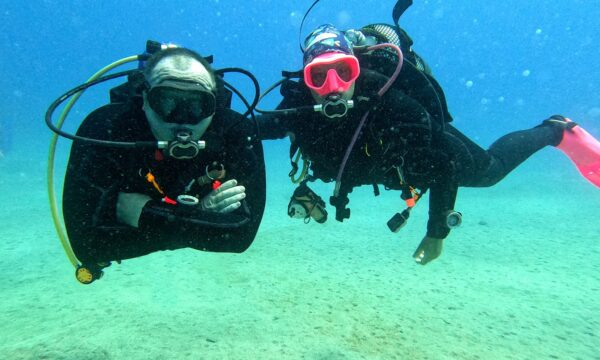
331, 73
181, 102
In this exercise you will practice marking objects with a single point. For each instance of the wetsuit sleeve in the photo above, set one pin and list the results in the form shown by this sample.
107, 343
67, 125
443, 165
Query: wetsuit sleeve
442, 198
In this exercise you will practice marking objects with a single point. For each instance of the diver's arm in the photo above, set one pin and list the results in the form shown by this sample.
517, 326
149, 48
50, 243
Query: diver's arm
273, 126
160, 218
442, 198
279, 123
224, 199
441, 201
159, 226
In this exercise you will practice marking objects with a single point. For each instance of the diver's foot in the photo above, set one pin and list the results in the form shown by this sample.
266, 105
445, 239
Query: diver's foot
560, 121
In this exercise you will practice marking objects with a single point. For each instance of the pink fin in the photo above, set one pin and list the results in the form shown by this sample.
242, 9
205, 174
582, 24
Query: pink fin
584, 150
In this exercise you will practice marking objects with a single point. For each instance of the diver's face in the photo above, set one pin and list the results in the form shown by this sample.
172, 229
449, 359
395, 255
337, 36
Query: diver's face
188, 106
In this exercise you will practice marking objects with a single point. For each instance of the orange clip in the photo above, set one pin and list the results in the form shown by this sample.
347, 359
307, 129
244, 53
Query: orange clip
150, 178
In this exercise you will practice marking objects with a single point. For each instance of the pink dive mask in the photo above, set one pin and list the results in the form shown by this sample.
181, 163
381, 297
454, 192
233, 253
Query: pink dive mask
331, 73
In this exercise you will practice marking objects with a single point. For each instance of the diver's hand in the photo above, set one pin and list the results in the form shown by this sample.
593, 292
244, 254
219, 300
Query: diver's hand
129, 207
226, 198
429, 249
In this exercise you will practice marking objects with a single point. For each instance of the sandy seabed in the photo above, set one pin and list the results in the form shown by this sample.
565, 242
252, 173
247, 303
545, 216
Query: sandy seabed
519, 280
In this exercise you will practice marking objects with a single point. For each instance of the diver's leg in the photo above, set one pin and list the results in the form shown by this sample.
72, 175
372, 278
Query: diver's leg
487, 167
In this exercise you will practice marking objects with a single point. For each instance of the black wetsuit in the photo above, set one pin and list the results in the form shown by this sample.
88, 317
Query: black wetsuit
96, 175
400, 134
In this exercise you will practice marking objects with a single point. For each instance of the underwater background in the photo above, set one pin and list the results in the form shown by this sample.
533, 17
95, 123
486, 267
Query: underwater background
519, 280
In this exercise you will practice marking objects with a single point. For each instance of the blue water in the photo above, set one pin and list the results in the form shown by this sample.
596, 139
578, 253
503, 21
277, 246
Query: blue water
504, 65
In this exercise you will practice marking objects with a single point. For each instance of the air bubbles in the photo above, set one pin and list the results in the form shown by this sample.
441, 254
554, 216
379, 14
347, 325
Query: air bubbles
469, 84
526, 73
538, 31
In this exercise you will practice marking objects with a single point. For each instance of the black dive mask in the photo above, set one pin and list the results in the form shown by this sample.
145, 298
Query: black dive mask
334, 106
181, 102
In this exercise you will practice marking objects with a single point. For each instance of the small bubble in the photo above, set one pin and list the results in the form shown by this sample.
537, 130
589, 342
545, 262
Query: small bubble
469, 84
501, 99
484, 101
526, 73
538, 31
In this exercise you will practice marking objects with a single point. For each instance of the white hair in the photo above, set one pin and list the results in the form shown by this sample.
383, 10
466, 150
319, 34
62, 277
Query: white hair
184, 68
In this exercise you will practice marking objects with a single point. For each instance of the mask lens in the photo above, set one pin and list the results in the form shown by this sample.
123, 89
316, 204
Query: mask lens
181, 106
318, 73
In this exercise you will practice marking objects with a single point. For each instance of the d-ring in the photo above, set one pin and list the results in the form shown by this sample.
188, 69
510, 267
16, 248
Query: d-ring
221, 170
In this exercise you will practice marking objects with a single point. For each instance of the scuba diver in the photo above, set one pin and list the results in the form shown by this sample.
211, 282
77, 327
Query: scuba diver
202, 187
366, 110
